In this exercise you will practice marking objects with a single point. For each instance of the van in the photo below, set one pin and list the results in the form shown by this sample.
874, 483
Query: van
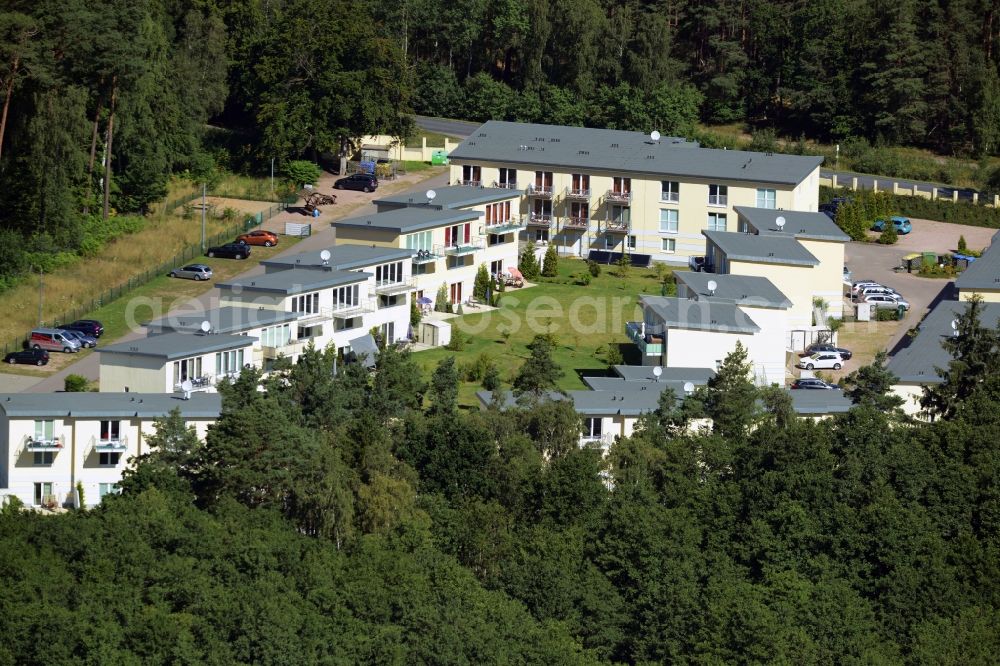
52, 339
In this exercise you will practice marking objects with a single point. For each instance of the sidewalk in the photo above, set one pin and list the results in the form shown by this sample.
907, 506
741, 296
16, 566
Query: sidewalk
349, 203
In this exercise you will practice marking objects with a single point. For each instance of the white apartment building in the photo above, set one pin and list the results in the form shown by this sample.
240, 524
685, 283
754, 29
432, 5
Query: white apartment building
595, 189
49, 442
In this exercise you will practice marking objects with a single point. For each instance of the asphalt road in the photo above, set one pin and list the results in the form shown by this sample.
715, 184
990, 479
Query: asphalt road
323, 236
461, 129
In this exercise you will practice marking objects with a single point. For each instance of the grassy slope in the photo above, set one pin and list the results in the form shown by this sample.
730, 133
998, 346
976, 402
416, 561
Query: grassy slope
577, 349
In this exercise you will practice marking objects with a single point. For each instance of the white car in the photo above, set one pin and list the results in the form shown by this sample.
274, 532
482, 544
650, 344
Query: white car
823, 361
864, 284
882, 301
879, 291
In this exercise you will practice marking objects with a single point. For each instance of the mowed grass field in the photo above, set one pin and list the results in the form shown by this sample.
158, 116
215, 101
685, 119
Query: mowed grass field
583, 320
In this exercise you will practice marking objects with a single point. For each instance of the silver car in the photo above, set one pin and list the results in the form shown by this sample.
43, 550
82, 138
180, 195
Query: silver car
193, 272
882, 301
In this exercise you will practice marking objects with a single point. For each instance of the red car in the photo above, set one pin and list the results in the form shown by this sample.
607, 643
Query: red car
258, 237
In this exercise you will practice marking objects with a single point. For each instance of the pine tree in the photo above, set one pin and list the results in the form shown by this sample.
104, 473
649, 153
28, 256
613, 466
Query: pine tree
481, 287
528, 264
550, 267
540, 373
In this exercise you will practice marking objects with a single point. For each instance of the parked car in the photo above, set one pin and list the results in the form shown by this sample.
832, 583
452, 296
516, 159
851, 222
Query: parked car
84, 339
813, 383
822, 362
52, 339
882, 302
365, 182
91, 327
877, 291
258, 237
28, 357
902, 225
193, 272
696, 263
833, 205
827, 348
230, 251
861, 284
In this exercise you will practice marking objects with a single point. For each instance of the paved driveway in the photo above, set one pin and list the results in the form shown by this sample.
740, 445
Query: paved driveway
875, 262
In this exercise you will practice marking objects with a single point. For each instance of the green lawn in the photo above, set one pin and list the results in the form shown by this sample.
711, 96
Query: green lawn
583, 319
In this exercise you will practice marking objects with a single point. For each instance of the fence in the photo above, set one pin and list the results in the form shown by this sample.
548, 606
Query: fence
910, 189
190, 252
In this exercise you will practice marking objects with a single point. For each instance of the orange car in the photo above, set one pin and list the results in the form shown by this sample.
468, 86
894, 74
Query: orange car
258, 237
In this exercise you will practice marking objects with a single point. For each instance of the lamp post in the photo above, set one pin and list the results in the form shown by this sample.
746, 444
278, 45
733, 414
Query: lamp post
203, 217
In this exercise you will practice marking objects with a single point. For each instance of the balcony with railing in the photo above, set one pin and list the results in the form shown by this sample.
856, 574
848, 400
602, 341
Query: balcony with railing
110, 444
577, 223
315, 317
470, 183
540, 191
289, 349
427, 256
200, 383
649, 343
350, 311
601, 442
44, 443
616, 226
543, 220
718, 200
577, 193
461, 249
510, 225
618, 198
509, 185
393, 287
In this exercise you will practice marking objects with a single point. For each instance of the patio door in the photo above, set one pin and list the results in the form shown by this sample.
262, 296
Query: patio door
455, 292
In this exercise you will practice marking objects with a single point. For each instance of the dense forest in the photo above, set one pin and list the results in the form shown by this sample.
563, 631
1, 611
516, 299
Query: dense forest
365, 518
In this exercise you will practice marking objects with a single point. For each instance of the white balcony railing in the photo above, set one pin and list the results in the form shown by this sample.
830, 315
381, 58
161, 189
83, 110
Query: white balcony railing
44, 443
578, 193
471, 183
540, 191
105, 444
463, 248
718, 199
390, 287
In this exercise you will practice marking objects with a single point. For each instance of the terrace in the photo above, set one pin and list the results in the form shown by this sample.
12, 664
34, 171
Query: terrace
649, 343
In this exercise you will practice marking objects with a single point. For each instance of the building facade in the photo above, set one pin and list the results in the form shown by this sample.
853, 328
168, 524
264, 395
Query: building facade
586, 189
50, 442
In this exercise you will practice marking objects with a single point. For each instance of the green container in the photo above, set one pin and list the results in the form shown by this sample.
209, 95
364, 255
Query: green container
930, 258
439, 158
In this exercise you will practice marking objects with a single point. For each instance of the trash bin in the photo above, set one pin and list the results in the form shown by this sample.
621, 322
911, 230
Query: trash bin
439, 158
900, 312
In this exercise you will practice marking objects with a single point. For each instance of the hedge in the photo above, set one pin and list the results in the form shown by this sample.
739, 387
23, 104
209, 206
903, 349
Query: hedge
941, 210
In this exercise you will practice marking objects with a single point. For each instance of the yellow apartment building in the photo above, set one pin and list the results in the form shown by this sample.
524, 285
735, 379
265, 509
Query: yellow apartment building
593, 189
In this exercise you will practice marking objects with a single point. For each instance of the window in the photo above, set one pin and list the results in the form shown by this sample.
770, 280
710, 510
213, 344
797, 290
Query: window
389, 273
766, 198
718, 195
111, 431
593, 428
610, 241
189, 368
455, 292
542, 208
542, 235
668, 221
716, 221
419, 241
471, 175
631, 242
107, 489
44, 432
108, 459
670, 191
579, 210
508, 178
275, 336
668, 245
230, 362
388, 331
346, 297
43, 493
497, 213
621, 185
619, 213
543, 182
496, 267
307, 303
581, 185
457, 234
43, 458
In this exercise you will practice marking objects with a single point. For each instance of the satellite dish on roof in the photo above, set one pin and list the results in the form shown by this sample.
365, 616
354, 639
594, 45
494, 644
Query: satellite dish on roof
186, 387
954, 327
325, 256
657, 371
688, 388
431, 194
206, 326
654, 135
712, 286
780, 222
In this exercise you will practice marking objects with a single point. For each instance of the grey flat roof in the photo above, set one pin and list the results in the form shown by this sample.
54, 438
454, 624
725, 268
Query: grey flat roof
984, 272
620, 151
295, 281
916, 363
807, 402
223, 320
342, 257
746, 290
643, 373
409, 220
761, 249
617, 383
179, 345
451, 196
110, 405
801, 224
715, 316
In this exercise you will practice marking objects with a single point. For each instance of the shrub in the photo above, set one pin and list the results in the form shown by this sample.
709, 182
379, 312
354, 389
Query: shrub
480, 367
624, 264
491, 380
75, 384
941, 210
889, 235
613, 355
593, 267
550, 265
963, 247
481, 287
584, 279
302, 172
457, 342
528, 263
886, 315
79, 495
441, 303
